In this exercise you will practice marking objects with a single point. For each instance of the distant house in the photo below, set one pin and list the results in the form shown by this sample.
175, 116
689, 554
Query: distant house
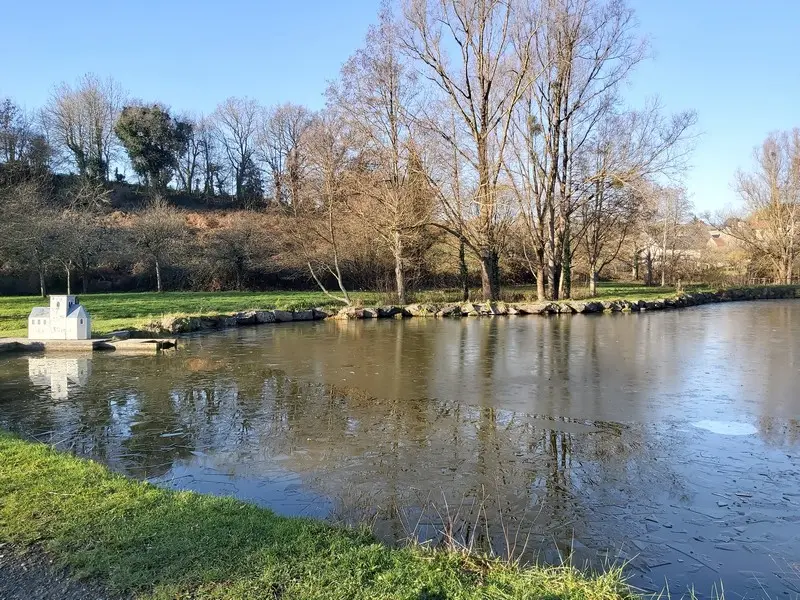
64, 319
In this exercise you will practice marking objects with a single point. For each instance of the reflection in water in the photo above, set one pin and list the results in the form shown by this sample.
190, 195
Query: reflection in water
59, 373
571, 436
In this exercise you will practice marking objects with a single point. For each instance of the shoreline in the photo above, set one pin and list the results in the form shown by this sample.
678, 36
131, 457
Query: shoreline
135, 539
171, 325
182, 324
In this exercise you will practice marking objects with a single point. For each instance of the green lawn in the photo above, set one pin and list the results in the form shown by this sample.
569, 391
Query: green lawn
111, 312
147, 542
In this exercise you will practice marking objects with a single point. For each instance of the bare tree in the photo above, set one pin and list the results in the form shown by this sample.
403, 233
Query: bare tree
29, 229
15, 131
584, 49
673, 210
80, 123
611, 177
79, 245
280, 143
155, 233
328, 145
771, 195
237, 126
233, 249
477, 55
189, 163
376, 93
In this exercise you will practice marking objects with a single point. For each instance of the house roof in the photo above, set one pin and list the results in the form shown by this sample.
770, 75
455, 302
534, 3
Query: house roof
77, 311
40, 311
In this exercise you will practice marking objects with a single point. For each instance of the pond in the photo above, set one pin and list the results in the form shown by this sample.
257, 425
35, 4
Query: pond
668, 441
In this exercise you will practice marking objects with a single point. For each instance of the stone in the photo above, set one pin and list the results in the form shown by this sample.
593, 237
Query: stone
369, 313
174, 324
210, 322
611, 306
320, 314
303, 315
501, 308
389, 312
470, 310
245, 318
564, 308
593, 307
577, 307
538, 308
654, 305
265, 316
449, 310
421, 310
226, 322
283, 316
123, 334
492, 308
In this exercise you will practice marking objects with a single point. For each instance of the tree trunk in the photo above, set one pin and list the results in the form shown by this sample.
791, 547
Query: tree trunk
540, 278
552, 264
635, 270
69, 280
42, 287
399, 274
593, 281
85, 282
664, 255
490, 275
463, 270
565, 284
648, 261
158, 276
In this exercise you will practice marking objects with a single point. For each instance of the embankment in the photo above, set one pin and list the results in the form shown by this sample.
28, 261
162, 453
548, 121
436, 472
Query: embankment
178, 324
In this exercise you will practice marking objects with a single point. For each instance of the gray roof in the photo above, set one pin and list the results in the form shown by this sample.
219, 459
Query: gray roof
76, 309
40, 311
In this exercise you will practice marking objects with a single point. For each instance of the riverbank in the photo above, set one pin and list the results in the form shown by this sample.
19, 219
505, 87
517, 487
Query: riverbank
180, 324
135, 539
136, 311
136, 315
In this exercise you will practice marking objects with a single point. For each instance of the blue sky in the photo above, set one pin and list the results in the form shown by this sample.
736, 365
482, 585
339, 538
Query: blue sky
736, 62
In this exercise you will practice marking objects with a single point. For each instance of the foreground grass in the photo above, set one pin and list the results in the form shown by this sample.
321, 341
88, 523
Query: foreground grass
153, 543
111, 312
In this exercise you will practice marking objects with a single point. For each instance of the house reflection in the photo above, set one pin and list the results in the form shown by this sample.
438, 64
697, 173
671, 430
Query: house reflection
59, 374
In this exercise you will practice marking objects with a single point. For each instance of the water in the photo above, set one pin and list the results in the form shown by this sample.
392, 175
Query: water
668, 440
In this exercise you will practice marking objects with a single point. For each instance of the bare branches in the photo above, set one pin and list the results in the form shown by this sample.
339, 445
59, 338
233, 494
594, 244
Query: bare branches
481, 82
771, 194
237, 124
80, 123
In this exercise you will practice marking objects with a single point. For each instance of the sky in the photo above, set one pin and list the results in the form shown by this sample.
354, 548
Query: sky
735, 62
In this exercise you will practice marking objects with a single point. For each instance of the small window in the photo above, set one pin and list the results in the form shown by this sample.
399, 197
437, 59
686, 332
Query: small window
81, 321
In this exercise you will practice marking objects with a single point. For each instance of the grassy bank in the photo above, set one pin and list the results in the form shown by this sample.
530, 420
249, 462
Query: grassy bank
153, 543
111, 312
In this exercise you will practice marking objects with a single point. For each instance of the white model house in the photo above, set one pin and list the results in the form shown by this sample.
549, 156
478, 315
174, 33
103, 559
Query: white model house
65, 319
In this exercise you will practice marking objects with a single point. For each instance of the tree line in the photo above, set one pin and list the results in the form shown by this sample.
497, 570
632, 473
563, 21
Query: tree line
497, 128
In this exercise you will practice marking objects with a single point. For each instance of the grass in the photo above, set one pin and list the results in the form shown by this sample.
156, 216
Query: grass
148, 542
111, 312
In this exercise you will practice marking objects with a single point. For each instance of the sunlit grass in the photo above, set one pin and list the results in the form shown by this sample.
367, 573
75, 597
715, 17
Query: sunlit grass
144, 541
